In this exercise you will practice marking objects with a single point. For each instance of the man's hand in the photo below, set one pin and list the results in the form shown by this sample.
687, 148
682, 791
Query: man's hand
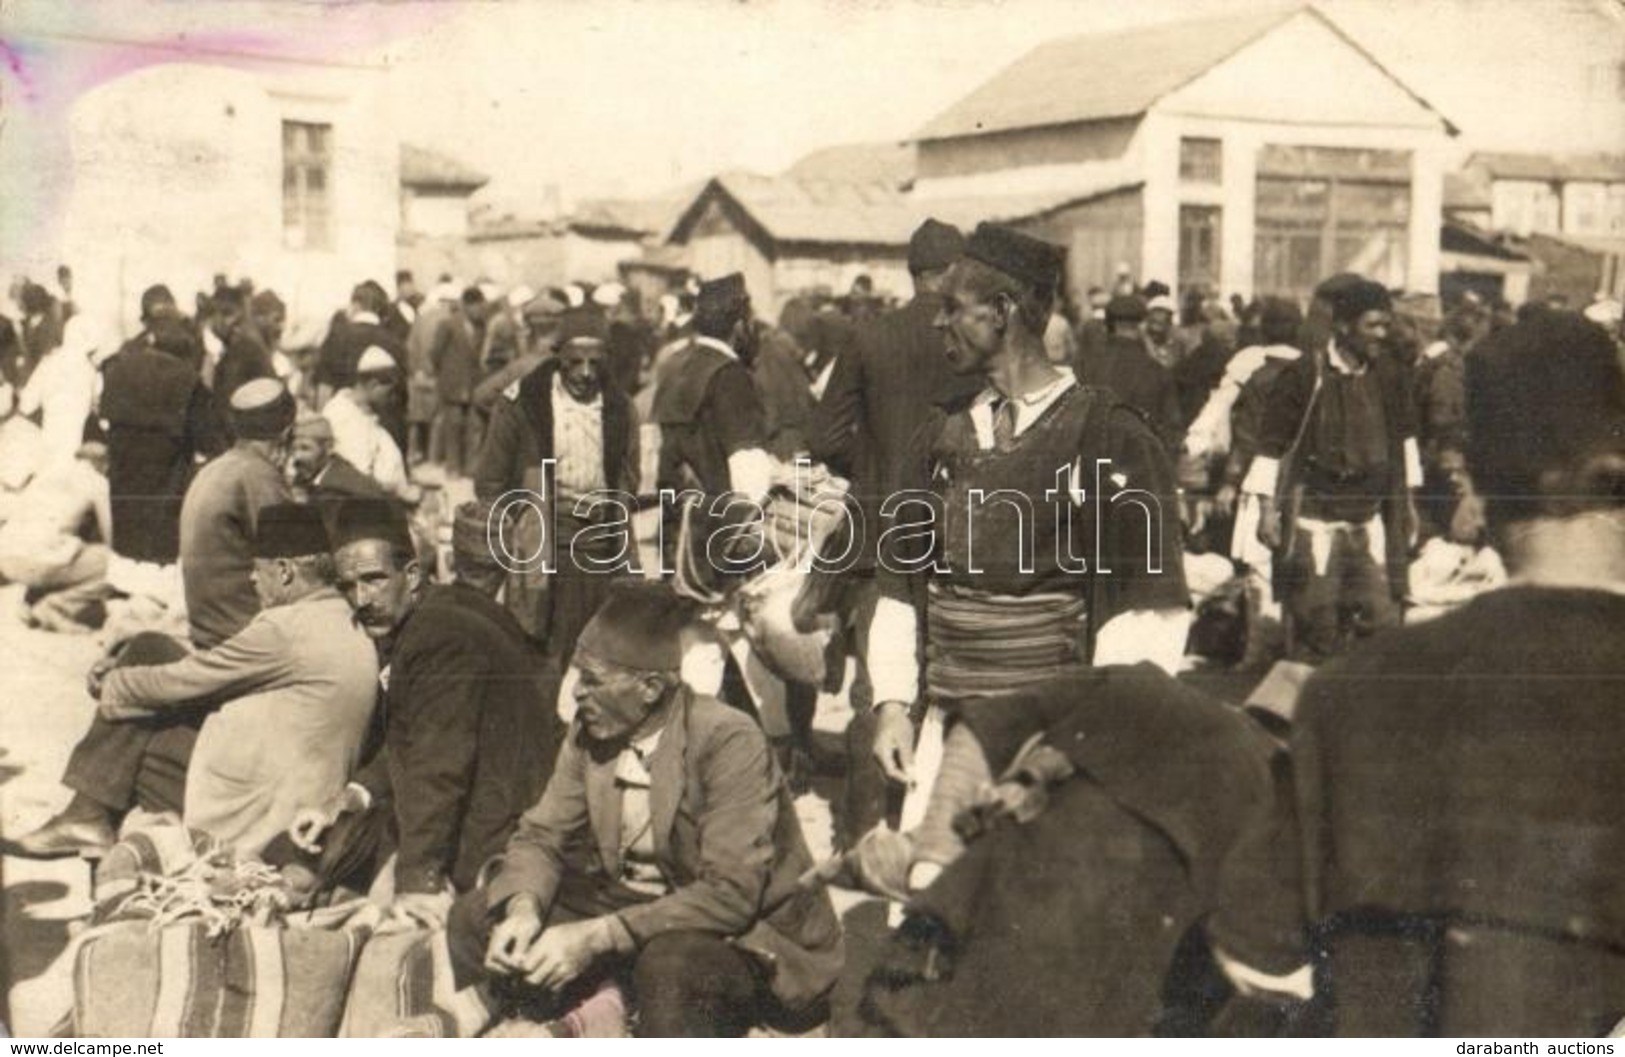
424, 909
97, 676
1224, 500
309, 823
894, 742
511, 939
564, 952
1269, 523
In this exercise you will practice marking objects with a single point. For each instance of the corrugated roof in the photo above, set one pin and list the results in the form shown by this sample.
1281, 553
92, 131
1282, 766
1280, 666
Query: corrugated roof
1097, 76
886, 162
863, 213
1507, 165
422, 167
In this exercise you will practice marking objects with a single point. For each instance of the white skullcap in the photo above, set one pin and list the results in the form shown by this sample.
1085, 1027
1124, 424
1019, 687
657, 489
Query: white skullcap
520, 296
1161, 301
608, 295
374, 361
575, 295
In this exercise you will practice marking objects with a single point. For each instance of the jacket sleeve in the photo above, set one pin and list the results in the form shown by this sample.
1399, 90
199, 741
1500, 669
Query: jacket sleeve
1140, 550
253, 658
739, 813
497, 469
534, 859
432, 745
835, 420
632, 469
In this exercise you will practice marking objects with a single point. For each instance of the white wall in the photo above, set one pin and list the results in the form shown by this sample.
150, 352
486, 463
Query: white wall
177, 175
434, 215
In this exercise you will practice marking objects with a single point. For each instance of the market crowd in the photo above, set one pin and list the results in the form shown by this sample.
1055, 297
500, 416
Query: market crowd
1311, 725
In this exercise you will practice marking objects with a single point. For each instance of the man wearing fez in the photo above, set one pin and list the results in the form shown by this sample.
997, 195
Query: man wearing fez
238, 736
713, 428
1459, 781
1057, 541
683, 856
220, 514
355, 413
1336, 465
469, 726
568, 411
881, 393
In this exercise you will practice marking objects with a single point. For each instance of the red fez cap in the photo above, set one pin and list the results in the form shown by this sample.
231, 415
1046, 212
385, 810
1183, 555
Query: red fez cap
1351, 296
372, 519
1034, 263
581, 324
933, 246
1125, 308
719, 296
289, 530
640, 627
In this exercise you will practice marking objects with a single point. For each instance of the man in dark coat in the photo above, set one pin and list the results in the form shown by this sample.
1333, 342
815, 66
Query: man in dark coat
882, 391
454, 359
159, 419
364, 326
570, 412
246, 355
665, 849
1102, 872
1341, 515
1459, 781
470, 731
1123, 365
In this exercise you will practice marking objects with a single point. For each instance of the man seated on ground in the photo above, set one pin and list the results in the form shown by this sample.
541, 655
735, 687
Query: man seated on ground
320, 474
298, 686
142, 763
44, 546
469, 729
687, 887
358, 435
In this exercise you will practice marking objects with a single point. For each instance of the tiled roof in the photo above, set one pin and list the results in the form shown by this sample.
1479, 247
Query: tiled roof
885, 162
422, 167
860, 213
1513, 166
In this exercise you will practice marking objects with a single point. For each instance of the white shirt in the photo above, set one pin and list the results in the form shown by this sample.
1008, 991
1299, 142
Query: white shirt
364, 443
578, 442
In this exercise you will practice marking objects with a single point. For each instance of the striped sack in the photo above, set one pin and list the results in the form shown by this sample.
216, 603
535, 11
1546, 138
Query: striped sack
133, 981
402, 976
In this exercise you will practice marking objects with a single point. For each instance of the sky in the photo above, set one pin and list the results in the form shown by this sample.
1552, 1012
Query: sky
633, 97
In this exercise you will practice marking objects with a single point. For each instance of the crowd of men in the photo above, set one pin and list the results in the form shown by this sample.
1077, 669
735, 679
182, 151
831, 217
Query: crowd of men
583, 771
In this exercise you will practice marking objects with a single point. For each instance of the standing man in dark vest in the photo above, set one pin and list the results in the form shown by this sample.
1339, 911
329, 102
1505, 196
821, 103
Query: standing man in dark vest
1054, 544
1341, 424
713, 431
568, 411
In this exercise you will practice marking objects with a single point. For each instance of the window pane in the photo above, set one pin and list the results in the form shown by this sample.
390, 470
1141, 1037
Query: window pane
1201, 160
1199, 238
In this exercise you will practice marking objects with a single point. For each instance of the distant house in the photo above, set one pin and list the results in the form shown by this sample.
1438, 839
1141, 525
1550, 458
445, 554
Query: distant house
279, 169
1247, 153
1557, 194
885, 162
588, 244
435, 189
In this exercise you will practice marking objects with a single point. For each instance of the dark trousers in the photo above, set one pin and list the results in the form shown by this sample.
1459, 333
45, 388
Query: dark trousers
1350, 600
135, 763
138, 762
684, 984
454, 438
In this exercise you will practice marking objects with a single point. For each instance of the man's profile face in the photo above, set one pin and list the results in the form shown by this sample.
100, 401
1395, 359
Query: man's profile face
308, 457
612, 701
970, 327
380, 590
269, 576
579, 370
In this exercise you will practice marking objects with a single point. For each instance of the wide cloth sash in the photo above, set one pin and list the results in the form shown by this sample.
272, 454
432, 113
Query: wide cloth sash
980, 643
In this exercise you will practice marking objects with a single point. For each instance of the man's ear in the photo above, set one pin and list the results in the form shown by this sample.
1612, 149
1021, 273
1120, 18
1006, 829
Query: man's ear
414, 574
